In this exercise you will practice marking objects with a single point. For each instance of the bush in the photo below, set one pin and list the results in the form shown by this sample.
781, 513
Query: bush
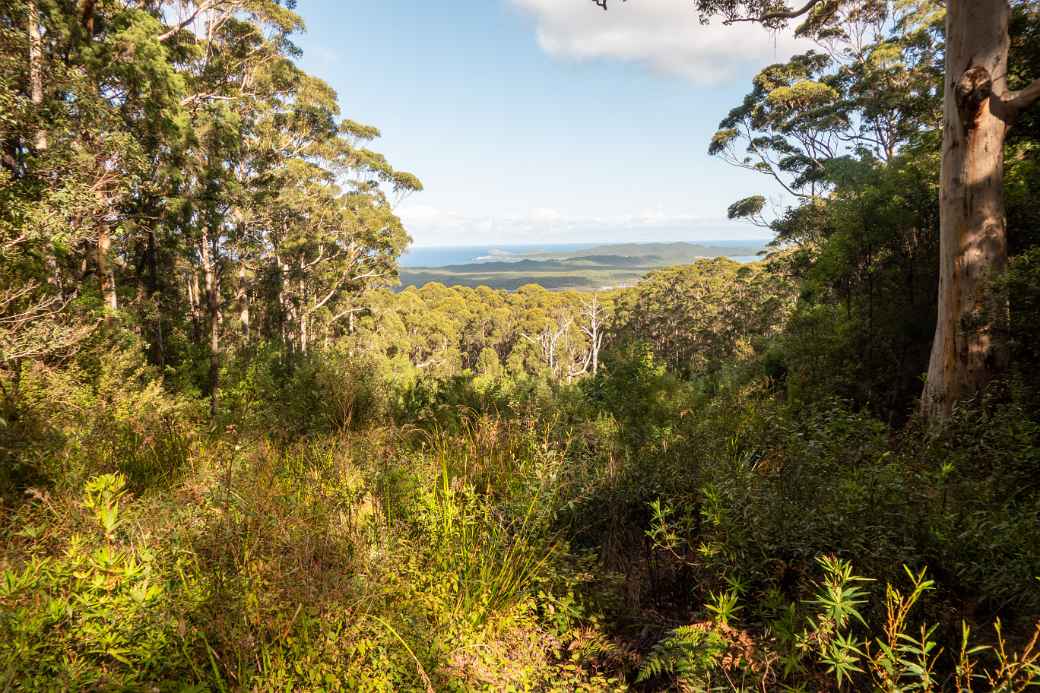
826, 641
107, 411
270, 390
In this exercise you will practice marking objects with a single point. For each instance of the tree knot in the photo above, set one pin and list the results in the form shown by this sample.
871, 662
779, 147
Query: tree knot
972, 89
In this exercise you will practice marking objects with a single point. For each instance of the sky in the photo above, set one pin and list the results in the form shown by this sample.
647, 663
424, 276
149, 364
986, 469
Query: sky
547, 121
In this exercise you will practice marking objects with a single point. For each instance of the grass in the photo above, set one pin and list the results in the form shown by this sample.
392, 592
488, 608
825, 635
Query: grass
355, 561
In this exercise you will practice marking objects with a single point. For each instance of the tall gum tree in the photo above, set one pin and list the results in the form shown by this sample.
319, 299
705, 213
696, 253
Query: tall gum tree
970, 347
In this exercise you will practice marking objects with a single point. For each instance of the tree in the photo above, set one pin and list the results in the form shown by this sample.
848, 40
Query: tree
166, 169
699, 318
593, 312
970, 347
810, 123
548, 341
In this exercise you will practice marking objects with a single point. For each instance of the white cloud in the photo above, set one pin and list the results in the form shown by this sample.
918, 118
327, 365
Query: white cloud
665, 35
430, 227
420, 214
545, 215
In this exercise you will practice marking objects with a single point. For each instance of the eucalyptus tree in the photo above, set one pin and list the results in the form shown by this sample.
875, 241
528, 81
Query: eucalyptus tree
232, 57
284, 210
980, 106
594, 314
164, 161
489, 324
814, 121
550, 342
344, 236
699, 318
433, 320
87, 92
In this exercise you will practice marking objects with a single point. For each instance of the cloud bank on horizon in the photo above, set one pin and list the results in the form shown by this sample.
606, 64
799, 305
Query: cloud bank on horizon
541, 225
665, 35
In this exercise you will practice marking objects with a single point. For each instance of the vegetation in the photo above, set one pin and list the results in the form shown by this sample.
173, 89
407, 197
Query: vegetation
232, 457
983, 97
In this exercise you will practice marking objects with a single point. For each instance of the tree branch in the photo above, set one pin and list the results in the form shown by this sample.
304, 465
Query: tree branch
762, 19
204, 7
1020, 101
344, 313
778, 15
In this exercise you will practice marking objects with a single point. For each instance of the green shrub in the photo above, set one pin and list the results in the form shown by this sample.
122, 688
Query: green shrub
825, 642
269, 390
105, 412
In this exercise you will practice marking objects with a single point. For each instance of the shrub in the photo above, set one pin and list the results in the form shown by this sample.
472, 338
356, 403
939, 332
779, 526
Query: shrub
105, 412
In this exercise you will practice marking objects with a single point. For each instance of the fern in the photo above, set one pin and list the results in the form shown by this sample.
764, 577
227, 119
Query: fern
689, 653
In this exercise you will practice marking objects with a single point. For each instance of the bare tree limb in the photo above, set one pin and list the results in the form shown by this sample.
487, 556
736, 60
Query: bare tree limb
176, 28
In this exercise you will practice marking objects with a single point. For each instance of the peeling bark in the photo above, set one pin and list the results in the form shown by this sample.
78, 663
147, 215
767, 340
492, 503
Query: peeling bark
194, 306
304, 312
242, 296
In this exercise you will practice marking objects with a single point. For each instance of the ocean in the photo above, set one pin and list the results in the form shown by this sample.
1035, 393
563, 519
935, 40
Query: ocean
442, 256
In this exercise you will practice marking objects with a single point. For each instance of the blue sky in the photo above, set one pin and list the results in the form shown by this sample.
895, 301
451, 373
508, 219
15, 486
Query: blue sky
541, 121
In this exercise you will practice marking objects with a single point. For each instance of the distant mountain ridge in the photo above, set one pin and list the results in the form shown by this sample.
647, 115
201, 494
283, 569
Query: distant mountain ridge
667, 253
621, 264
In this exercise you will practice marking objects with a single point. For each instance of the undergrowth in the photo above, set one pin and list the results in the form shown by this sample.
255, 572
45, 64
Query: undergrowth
523, 537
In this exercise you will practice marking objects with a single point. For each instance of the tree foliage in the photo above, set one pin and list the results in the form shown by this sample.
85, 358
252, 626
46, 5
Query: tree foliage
169, 166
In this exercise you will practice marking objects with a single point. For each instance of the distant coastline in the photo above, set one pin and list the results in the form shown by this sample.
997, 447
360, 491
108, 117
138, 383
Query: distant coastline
445, 255
586, 266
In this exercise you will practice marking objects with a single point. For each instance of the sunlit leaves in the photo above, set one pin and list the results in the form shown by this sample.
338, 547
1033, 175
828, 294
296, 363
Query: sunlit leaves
748, 208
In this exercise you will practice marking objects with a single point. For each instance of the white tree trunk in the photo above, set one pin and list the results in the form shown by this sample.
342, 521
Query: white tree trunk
36, 70
242, 296
105, 272
209, 271
970, 346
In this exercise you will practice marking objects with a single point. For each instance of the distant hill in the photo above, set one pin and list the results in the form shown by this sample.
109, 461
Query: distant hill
500, 266
616, 260
601, 266
666, 253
